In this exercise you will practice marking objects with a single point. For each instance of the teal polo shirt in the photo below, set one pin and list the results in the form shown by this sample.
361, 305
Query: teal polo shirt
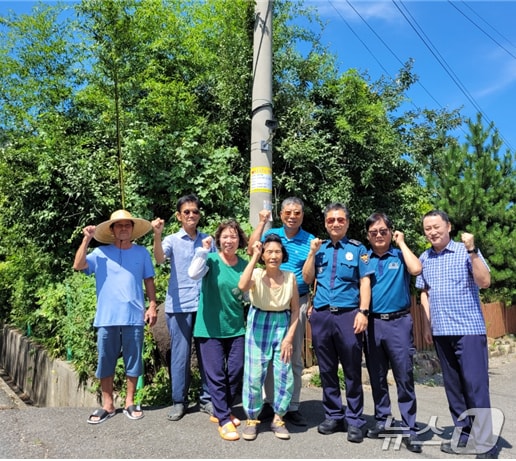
390, 284
297, 249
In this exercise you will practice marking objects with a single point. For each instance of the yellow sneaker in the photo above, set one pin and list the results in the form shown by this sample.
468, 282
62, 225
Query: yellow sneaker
228, 432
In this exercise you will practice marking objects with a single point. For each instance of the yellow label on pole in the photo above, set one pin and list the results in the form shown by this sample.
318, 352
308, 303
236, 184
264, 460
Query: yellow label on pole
261, 179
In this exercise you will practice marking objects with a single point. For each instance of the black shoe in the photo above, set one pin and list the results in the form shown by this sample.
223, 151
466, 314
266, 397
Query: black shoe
379, 428
266, 413
412, 443
296, 418
329, 426
447, 448
491, 454
355, 434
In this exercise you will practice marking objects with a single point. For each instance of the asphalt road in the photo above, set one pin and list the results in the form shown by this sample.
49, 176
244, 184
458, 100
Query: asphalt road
31, 432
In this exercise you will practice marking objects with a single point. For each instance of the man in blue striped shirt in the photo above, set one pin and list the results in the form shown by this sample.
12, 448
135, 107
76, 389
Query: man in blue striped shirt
297, 243
452, 274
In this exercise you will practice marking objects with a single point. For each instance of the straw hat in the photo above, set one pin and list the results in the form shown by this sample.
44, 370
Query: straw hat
104, 234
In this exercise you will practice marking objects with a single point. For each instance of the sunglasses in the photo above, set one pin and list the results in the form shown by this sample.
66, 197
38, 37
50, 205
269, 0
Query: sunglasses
189, 212
332, 220
292, 213
382, 232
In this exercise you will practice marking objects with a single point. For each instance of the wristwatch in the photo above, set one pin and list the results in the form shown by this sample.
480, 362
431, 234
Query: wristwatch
364, 312
474, 250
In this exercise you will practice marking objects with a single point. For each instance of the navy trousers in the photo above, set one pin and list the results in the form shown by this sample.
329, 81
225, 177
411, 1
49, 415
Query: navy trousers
335, 342
391, 343
464, 363
223, 360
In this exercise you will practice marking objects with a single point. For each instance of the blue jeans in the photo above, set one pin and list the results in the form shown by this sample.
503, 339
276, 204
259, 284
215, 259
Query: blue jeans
180, 327
112, 340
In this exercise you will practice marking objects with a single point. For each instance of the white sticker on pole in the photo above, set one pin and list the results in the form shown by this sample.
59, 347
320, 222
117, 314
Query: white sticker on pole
261, 179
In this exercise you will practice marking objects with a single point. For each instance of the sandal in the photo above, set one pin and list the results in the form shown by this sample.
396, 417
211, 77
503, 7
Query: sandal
131, 410
236, 422
100, 416
228, 432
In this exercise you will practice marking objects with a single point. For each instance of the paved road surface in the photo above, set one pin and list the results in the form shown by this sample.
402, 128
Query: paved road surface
30, 432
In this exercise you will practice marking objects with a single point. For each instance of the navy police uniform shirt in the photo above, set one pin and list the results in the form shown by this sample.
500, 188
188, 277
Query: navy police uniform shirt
338, 270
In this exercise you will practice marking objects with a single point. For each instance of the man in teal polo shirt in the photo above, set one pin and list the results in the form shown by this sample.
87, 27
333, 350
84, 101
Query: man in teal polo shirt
389, 335
297, 243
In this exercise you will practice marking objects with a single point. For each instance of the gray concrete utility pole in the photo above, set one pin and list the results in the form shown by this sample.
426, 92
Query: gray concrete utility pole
263, 123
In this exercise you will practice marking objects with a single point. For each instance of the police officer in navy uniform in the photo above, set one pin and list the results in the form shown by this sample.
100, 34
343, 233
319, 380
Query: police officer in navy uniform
389, 336
339, 317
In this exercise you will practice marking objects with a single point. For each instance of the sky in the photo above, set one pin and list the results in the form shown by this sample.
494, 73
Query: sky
464, 52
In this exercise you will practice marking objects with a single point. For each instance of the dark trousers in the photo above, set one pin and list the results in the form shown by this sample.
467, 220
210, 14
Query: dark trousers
391, 342
335, 342
223, 360
464, 363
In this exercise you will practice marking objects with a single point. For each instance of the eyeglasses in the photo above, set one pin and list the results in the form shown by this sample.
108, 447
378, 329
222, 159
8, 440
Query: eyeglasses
189, 212
382, 232
332, 220
292, 212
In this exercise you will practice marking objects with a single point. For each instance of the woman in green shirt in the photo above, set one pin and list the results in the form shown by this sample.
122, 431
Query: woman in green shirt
219, 325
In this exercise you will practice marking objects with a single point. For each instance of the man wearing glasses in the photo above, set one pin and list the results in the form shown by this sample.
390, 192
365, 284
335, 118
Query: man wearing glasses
297, 243
182, 301
389, 336
341, 269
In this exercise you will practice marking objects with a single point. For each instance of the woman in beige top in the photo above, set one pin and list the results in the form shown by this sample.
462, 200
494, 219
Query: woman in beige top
271, 324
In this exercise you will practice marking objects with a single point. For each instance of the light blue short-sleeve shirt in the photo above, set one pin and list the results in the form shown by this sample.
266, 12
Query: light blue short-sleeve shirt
119, 275
453, 295
183, 292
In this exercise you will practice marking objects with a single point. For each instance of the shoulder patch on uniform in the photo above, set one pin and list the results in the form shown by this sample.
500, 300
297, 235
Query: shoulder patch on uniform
355, 242
365, 258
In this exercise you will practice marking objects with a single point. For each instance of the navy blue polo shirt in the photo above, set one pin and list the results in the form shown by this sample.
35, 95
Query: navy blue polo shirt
338, 271
390, 284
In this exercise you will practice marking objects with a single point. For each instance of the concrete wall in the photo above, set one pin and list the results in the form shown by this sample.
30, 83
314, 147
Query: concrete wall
47, 382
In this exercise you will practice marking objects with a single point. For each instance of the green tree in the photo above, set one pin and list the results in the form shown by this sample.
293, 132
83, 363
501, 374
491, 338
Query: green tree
40, 68
475, 184
176, 109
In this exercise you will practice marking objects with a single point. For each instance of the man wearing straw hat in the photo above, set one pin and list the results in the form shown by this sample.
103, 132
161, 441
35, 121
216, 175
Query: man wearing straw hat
121, 269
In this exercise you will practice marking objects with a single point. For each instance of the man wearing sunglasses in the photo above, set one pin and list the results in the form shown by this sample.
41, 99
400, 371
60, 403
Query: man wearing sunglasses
297, 243
341, 269
389, 336
182, 301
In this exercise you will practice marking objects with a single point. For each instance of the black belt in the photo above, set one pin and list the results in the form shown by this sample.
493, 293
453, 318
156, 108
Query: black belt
334, 309
271, 312
391, 315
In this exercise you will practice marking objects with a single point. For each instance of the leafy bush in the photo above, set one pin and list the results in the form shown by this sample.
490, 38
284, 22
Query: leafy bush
63, 323
315, 380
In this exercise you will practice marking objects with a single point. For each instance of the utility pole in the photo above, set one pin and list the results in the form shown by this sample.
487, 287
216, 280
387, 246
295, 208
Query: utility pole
263, 123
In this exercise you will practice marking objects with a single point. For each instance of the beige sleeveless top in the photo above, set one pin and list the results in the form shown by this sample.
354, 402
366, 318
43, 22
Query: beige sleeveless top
271, 299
